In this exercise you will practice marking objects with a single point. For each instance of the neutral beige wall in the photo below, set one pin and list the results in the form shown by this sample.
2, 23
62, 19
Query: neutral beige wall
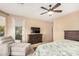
10, 26
21, 21
67, 22
27, 23
45, 27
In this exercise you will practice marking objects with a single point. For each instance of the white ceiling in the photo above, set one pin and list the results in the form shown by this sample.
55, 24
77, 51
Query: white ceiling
33, 10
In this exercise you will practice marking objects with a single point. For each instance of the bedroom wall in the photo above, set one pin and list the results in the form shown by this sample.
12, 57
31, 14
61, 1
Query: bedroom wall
67, 22
45, 27
27, 23
10, 26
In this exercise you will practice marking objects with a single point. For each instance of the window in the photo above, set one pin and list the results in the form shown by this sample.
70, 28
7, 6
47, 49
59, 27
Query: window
2, 26
18, 32
18, 29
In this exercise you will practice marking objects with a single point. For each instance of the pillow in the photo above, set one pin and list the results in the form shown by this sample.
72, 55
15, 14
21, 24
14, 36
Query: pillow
8, 40
1, 39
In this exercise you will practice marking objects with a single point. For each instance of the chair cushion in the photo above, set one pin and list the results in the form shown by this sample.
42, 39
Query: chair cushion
21, 49
20, 46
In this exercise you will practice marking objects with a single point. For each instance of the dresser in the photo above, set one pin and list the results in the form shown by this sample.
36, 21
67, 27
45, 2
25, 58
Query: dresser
35, 38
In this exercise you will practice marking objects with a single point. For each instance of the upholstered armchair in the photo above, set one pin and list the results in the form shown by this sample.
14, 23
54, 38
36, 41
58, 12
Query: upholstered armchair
8, 46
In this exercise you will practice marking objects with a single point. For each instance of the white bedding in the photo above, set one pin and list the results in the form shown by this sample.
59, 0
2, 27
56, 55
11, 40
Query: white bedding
61, 48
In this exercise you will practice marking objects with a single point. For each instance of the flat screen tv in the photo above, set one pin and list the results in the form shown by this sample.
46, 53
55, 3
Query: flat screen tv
35, 30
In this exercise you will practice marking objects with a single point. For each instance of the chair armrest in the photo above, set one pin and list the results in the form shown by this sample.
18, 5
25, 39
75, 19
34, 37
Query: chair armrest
5, 48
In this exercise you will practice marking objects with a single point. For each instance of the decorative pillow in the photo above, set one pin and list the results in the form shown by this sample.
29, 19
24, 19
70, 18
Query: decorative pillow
8, 40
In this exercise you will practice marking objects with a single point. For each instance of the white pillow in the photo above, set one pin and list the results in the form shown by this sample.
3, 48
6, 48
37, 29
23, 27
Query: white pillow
1, 39
8, 40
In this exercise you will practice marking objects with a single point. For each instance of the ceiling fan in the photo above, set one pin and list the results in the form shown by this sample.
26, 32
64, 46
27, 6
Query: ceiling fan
51, 9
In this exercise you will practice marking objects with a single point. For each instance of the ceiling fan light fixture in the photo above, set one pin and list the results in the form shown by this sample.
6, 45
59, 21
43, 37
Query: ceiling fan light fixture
50, 12
51, 9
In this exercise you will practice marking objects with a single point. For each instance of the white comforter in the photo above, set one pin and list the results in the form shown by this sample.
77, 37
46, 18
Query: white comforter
61, 48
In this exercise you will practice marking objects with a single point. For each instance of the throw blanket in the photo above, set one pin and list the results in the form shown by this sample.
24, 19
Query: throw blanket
61, 48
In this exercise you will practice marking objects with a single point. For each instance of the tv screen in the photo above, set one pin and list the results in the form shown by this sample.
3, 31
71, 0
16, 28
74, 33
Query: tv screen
35, 29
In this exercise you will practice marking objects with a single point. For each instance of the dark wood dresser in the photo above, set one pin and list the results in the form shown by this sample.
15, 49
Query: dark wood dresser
35, 38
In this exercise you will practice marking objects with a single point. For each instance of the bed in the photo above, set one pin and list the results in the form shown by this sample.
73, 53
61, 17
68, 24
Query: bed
69, 47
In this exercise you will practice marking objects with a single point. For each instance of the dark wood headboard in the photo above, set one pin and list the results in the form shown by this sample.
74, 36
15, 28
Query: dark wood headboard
71, 35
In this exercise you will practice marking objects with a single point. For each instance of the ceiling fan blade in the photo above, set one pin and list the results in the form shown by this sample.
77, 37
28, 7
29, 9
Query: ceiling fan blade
43, 13
44, 8
57, 5
57, 10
